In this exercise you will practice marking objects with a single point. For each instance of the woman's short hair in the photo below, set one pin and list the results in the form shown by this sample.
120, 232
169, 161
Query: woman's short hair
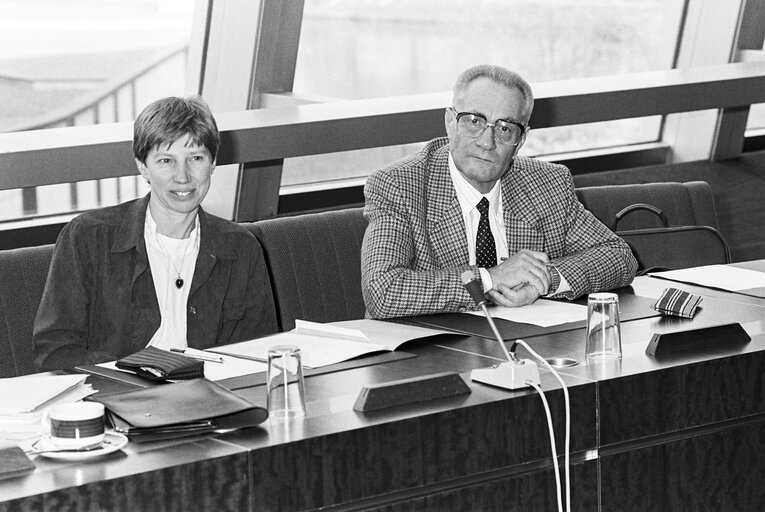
169, 119
503, 76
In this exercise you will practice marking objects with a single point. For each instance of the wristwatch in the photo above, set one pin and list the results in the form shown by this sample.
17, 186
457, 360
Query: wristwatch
555, 281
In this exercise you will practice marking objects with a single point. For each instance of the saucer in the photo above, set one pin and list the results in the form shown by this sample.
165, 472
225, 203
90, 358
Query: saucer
111, 443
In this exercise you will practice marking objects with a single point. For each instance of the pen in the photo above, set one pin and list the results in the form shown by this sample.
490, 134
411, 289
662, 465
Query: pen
201, 355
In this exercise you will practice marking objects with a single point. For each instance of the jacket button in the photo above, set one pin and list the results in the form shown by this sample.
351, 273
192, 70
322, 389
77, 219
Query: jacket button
192, 310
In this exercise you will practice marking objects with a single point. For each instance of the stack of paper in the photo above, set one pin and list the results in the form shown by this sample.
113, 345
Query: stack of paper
24, 400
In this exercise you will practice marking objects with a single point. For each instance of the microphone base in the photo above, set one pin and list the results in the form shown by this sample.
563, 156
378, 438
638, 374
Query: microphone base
508, 375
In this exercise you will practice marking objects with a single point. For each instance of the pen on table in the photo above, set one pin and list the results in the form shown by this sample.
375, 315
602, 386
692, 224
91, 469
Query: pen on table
201, 356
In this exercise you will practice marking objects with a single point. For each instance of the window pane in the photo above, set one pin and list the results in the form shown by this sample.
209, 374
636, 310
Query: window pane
86, 62
756, 120
375, 48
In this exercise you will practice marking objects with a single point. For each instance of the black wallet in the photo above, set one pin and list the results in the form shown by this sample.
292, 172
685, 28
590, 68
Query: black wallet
157, 364
179, 409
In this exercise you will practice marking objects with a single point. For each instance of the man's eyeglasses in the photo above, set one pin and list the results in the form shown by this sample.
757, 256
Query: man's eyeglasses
472, 125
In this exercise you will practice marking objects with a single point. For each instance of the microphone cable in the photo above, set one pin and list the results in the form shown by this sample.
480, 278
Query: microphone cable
552, 442
552, 432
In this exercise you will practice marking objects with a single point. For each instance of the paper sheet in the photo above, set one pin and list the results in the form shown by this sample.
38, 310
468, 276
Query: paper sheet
315, 351
325, 344
390, 334
723, 277
544, 313
19, 395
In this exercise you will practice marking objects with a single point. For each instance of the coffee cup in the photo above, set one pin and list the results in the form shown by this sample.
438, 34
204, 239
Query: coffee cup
76, 425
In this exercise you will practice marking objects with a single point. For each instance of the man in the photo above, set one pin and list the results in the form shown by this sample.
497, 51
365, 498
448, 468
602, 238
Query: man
158, 270
429, 221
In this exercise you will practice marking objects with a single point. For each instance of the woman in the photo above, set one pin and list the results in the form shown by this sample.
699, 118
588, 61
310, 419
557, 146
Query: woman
157, 270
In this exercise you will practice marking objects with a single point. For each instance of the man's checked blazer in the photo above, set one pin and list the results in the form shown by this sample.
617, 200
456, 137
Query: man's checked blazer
415, 246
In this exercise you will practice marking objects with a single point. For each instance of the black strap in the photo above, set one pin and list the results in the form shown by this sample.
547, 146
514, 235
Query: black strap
639, 206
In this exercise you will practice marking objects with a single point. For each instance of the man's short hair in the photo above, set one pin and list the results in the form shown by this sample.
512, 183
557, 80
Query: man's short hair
169, 119
502, 76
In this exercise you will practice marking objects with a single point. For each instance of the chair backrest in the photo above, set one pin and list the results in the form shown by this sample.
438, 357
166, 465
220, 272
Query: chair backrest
314, 261
22, 281
684, 204
667, 225
676, 247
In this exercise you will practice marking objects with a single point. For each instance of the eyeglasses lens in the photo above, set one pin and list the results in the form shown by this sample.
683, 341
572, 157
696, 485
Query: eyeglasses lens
471, 125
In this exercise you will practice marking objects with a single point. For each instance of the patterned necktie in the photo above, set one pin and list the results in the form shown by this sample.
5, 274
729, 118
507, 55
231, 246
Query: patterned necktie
485, 250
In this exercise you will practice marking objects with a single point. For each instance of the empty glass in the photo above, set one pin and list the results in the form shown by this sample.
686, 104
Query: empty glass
286, 393
604, 340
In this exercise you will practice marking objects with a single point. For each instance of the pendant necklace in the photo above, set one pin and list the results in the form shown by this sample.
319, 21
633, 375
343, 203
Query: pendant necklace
179, 280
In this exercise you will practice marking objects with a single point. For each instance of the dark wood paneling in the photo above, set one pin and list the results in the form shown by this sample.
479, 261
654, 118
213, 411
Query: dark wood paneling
533, 491
337, 468
681, 397
718, 472
502, 434
218, 484
406, 456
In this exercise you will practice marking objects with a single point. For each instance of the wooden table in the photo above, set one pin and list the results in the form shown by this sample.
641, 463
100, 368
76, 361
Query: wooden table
677, 433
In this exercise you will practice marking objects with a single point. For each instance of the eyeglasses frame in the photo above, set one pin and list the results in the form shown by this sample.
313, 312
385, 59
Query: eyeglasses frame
458, 115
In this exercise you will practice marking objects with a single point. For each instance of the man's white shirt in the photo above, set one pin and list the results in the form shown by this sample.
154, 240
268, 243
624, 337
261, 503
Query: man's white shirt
468, 198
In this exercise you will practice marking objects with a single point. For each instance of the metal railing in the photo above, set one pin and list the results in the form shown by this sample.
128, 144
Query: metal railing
27, 159
116, 100
107, 103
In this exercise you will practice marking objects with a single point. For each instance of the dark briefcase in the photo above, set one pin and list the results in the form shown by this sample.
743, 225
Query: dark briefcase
180, 409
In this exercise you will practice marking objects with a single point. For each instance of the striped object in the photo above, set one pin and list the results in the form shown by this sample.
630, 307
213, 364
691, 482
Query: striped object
77, 429
157, 364
674, 302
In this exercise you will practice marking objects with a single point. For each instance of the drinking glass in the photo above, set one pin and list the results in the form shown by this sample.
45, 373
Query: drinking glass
604, 340
286, 391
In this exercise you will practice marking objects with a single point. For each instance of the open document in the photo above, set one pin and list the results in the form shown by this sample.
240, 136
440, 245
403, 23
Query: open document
723, 277
544, 313
325, 344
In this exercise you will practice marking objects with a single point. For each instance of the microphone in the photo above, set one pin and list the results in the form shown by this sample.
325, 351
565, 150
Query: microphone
513, 374
473, 287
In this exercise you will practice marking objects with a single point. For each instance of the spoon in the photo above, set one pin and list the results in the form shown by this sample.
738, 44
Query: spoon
86, 448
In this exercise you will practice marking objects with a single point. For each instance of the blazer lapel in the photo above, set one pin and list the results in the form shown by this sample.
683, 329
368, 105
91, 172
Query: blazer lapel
213, 246
446, 227
521, 225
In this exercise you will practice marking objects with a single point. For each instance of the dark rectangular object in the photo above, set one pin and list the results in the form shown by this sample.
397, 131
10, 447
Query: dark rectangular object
694, 339
13, 460
180, 409
410, 391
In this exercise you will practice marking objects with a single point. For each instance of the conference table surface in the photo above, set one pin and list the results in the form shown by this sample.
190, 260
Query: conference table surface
648, 433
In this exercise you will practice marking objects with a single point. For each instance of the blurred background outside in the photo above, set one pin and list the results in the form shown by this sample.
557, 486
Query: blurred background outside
100, 61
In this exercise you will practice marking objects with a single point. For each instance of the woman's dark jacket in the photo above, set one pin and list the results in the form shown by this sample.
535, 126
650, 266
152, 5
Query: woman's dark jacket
100, 304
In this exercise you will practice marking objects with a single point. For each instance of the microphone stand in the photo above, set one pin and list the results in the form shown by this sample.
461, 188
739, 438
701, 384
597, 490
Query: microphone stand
514, 373
509, 355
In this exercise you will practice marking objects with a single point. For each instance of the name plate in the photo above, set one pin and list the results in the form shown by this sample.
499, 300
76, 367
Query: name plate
695, 339
409, 391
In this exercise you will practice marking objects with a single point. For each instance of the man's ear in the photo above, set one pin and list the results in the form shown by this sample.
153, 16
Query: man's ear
522, 141
449, 123
142, 169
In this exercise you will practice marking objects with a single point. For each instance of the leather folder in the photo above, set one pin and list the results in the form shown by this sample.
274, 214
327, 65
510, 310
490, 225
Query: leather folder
180, 409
